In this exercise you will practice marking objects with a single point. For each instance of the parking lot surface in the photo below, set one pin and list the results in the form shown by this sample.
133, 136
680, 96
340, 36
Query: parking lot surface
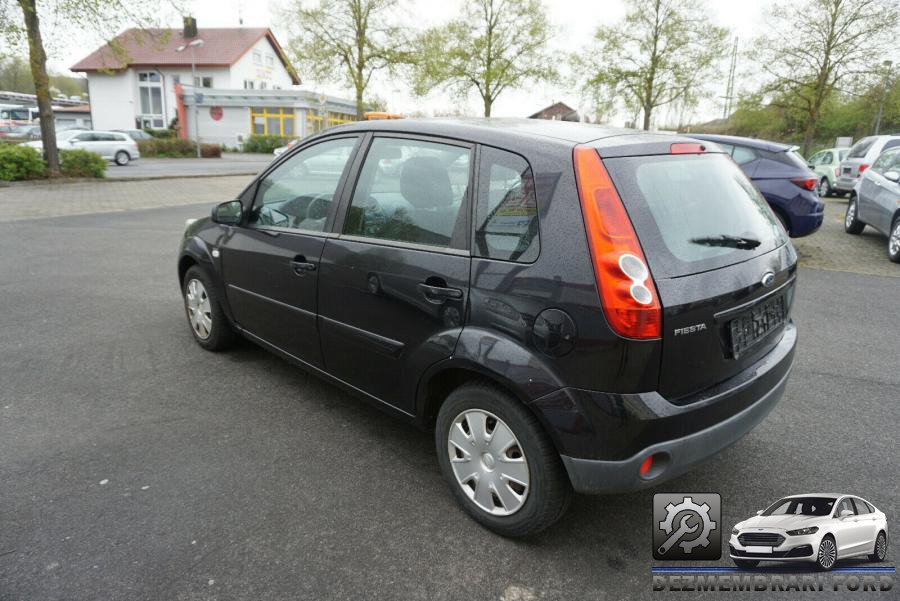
230, 163
134, 465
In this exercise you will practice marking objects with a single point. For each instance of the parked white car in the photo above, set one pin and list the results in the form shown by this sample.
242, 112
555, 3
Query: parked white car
112, 146
816, 528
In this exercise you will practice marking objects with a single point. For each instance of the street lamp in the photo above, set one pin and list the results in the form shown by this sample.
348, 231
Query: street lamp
887, 75
195, 44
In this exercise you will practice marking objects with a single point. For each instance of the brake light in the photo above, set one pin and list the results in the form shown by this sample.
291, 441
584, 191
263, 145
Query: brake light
837, 171
807, 183
687, 148
627, 291
862, 168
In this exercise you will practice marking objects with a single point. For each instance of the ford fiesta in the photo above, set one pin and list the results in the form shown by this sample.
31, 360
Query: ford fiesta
818, 528
568, 307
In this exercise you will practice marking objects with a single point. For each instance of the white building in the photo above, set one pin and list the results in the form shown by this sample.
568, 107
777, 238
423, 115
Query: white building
244, 84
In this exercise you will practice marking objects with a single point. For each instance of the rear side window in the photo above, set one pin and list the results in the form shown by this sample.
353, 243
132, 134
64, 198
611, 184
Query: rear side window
861, 507
694, 213
506, 216
412, 191
860, 149
891, 144
743, 155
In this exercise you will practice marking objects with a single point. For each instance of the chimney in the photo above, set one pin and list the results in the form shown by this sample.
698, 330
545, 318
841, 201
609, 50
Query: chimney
190, 27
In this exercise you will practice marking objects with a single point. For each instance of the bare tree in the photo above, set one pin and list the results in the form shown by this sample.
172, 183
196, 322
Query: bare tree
493, 46
663, 52
819, 47
346, 41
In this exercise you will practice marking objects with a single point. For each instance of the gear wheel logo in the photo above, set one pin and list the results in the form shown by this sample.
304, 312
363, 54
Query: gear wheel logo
686, 526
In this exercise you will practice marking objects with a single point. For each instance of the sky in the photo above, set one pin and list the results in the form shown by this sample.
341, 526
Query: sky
574, 20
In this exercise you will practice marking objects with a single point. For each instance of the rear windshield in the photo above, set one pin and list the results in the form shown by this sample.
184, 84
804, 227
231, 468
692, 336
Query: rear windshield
694, 213
860, 149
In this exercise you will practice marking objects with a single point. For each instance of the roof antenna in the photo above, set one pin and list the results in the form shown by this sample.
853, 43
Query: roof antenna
240, 17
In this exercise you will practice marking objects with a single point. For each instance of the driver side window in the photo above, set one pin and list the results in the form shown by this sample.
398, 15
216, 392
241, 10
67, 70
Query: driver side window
298, 194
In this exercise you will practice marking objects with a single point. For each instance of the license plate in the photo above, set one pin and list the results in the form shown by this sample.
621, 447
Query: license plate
846, 170
759, 549
756, 323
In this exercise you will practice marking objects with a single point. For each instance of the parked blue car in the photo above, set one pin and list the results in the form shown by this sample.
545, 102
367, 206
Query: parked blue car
783, 178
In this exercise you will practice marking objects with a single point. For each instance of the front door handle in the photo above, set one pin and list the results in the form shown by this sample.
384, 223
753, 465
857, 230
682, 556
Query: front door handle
301, 266
438, 294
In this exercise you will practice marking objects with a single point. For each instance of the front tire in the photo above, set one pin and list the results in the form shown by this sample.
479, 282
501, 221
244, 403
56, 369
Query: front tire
824, 188
880, 549
499, 462
894, 242
827, 555
852, 224
122, 158
205, 316
746, 564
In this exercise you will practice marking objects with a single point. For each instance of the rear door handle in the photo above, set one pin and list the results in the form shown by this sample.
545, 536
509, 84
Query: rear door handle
301, 265
438, 294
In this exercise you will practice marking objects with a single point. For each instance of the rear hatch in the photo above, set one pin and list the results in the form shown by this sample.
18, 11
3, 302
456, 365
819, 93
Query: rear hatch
849, 168
723, 267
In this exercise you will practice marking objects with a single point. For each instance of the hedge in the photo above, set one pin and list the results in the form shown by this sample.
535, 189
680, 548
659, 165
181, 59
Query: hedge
161, 133
81, 163
176, 148
21, 162
265, 144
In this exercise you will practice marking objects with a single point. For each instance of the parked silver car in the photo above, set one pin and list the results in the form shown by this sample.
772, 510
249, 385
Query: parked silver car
860, 158
112, 146
876, 201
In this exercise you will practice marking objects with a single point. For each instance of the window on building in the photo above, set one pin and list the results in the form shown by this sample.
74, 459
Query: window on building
272, 121
203, 82
248, 84
257, 57
150, 99
270, 60
262, 85
150, 76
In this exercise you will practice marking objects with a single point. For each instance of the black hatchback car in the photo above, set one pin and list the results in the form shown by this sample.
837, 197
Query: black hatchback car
568, 306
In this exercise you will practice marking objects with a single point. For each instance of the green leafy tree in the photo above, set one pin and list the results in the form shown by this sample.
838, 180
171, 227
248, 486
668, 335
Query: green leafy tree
819, 47
493, 46
346, 41
662, 53
21, 25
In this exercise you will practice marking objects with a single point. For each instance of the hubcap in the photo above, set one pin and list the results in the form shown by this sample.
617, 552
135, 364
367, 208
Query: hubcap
488, 462
199, 312
827, 553
880, 547
894, 242
851, 213
823, 188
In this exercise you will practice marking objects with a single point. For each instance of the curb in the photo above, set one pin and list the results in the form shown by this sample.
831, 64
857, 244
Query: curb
62, 181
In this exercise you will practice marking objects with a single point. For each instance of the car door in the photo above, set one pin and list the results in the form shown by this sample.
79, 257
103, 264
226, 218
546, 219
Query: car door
394, 283
868, 523
270, 262
888, 193
83, 141
850, 533
874, 190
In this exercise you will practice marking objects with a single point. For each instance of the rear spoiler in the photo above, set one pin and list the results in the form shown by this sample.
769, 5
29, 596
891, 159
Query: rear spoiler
646, 143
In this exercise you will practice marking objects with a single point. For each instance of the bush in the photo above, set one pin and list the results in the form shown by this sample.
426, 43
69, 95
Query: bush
176, 148
81, 163
21, 162
162, 133
264, 144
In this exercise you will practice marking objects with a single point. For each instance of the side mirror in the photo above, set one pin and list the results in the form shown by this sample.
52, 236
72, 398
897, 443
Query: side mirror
811, 166
228, 213
760, 512
847, 513
892, 175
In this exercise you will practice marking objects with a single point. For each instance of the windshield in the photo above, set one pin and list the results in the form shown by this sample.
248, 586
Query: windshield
802, 506
694, 212
67, 133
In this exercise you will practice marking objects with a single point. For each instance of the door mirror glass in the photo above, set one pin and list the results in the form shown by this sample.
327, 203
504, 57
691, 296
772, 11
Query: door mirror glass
892, 175
846, 513
228, 213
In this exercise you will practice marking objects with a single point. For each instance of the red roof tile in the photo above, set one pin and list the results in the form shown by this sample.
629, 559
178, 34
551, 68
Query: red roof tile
222, 47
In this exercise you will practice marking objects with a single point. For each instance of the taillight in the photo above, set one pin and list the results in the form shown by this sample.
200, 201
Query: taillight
627, 291
807, 183
862, 168
837, 171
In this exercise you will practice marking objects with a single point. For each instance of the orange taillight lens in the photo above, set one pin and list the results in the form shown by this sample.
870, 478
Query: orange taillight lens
627, 291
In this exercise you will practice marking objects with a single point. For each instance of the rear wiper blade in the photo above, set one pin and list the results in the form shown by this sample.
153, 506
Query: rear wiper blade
728, 242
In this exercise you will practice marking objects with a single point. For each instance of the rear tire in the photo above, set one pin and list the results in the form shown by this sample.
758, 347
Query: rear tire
122, 158
852, 224
894, 242
484, 438
880, 549
824, 188
826, 556
746, 564
205, 316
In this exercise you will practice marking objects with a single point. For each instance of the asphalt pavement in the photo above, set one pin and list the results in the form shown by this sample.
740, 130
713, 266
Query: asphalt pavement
230, 163
134, 465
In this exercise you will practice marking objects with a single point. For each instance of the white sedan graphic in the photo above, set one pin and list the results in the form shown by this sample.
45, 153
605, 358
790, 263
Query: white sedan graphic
819, 528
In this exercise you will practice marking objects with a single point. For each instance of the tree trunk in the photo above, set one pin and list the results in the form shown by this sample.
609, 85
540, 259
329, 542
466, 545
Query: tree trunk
38, 59
809, 134
647, 111
360, 109
487, 107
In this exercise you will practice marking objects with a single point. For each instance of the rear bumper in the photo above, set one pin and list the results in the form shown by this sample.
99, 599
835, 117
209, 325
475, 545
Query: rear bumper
844, 184
604, 438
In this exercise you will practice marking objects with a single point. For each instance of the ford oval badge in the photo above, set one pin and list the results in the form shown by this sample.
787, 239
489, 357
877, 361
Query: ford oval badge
768, 279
